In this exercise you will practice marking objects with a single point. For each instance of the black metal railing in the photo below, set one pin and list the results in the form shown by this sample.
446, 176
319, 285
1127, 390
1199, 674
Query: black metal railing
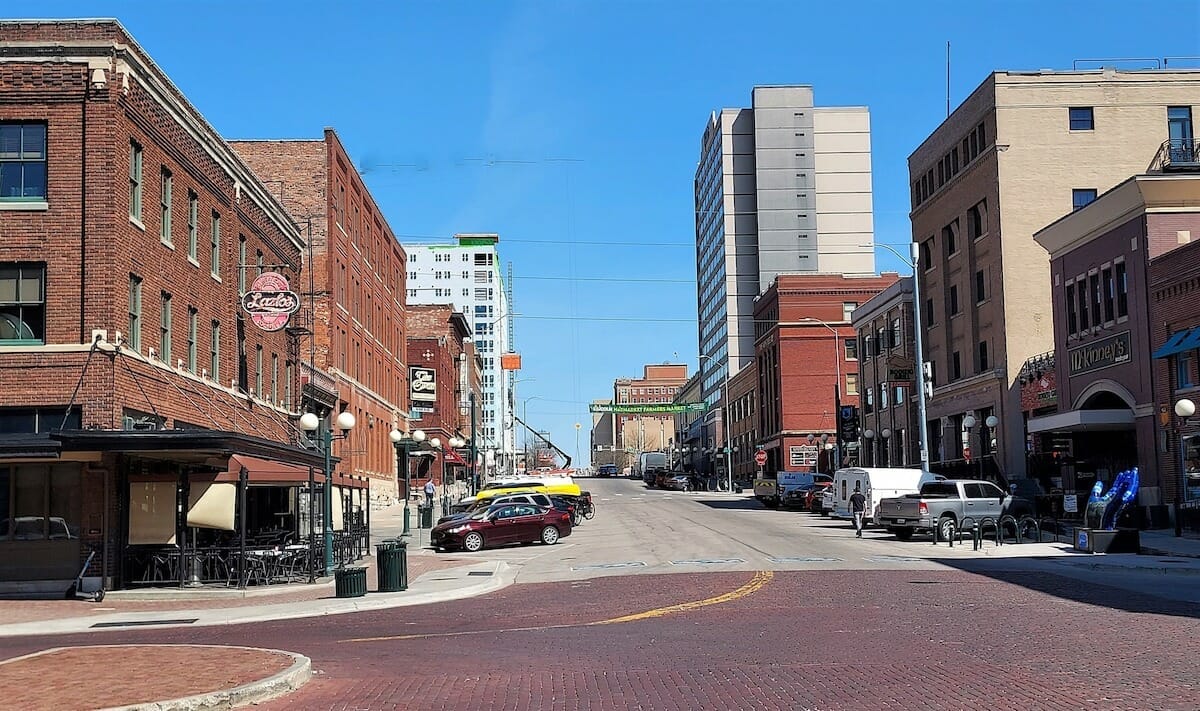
1178, 154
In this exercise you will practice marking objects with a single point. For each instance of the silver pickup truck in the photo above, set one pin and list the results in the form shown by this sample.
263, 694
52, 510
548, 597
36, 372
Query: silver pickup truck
944, 504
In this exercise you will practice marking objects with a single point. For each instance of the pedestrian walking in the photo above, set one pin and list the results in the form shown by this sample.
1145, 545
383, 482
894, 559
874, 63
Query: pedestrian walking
430, 490
858, 504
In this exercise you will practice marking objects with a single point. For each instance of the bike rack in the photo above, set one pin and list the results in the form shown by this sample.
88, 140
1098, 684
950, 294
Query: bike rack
961, 526
1006, 520
1054, 523
1025, 522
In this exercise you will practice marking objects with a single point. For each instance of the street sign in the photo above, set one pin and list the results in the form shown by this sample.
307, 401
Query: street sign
664, 408
760, 458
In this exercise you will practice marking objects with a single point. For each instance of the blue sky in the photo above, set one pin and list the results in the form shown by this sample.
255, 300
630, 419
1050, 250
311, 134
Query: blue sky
572, 128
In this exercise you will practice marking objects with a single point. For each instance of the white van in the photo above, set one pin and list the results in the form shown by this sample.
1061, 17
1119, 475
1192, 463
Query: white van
877, 484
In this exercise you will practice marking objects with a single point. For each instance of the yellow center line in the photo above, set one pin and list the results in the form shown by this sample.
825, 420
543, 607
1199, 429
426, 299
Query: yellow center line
760, 579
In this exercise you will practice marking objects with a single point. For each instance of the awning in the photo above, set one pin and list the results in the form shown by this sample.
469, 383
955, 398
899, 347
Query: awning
266, 471
1180, 341
1082, 420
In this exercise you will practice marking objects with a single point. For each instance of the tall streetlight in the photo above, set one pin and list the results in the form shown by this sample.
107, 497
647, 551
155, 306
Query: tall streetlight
404, 444
1184, 409
914, 261
309, 422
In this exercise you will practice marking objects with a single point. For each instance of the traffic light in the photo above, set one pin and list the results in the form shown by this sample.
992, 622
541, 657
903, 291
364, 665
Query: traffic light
927, 378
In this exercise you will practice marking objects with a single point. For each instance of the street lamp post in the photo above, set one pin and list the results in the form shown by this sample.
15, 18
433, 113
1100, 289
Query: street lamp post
309, 422
914, 261
403, 447
1184, 408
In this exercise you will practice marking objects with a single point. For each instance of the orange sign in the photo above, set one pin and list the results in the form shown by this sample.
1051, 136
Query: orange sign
510, 361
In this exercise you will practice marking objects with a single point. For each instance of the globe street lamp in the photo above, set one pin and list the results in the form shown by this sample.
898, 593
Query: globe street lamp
404, 445
310, 422
1184, 408
869, 436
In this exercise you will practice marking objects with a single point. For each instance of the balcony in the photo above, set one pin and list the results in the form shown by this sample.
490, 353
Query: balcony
1178, 155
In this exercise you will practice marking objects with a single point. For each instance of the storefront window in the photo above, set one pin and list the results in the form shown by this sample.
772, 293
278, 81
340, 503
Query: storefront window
40, 502
1191, 459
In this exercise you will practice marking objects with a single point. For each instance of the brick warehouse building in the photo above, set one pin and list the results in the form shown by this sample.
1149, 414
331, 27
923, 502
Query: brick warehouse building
445, 385
138, 403
358, 284
805, 348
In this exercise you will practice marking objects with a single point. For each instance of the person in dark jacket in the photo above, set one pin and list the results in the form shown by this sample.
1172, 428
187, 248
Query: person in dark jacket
858, 504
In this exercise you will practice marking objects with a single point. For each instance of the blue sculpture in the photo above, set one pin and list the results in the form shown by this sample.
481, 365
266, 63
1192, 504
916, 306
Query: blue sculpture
1120, 496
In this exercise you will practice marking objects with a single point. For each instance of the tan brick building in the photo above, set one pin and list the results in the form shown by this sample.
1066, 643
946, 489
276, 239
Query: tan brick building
358, 283
1022, 150
636, 433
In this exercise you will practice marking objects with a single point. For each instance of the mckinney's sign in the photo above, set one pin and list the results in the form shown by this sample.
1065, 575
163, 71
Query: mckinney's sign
649, 409
270, 301
1101, 354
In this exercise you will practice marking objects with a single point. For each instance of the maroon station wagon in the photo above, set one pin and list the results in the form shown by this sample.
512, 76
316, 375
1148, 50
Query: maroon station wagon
503, 524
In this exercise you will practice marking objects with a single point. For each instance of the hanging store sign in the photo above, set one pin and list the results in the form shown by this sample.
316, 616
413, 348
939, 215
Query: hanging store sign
422, 384
270, 301
1101, 354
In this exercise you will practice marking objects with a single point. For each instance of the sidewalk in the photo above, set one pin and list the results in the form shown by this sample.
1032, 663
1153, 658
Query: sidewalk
1164, 543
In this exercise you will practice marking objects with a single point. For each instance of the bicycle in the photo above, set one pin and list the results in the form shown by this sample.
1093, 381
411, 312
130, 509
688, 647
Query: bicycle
589, 510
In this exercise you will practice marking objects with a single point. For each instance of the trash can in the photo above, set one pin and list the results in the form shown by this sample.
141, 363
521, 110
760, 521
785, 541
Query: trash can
426, 513
350, 582
391, 559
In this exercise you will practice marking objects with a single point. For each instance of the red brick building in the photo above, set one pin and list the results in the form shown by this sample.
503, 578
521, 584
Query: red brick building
802, 328
358, 279
444, 382
1124, 310
649, 431
133, 385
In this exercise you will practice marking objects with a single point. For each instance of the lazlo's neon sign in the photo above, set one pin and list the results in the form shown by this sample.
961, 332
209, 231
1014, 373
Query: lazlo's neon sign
270, 301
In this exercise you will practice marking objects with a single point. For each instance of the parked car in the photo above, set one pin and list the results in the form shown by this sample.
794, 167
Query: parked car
530, 497
501, 525
795, 498
607, 470
812, 499
944, 504
825, 502
679, 482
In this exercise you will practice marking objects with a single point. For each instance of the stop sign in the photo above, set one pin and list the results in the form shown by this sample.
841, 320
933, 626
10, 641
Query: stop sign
760, 457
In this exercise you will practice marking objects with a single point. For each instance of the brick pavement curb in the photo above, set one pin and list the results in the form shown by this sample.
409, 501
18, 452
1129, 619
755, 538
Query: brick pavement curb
274, 686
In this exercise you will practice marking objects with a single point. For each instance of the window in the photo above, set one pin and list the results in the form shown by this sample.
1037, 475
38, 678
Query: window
1082, 292
883, 395
955, 366
193, 335
1095, 295
848, 309
851, 349
866, 350
1184, 370
22, 162
241, 268
1080, 197
1072, 312
1081, 118
977, 220
258, 370
869, 400
164, 200
953, 300
929, 318
193, 220
1122, 291
135, 312
164, 329
287, 384
898, 395
135, 181
983, 357
1109, 293
897, 336
45, 502
214, 353
881, 339
22, 304
980, 287
950, 237
214, 253
927, 253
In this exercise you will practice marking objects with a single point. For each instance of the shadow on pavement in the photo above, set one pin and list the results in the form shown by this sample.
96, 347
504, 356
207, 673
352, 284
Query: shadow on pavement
744, 504
1069, 588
